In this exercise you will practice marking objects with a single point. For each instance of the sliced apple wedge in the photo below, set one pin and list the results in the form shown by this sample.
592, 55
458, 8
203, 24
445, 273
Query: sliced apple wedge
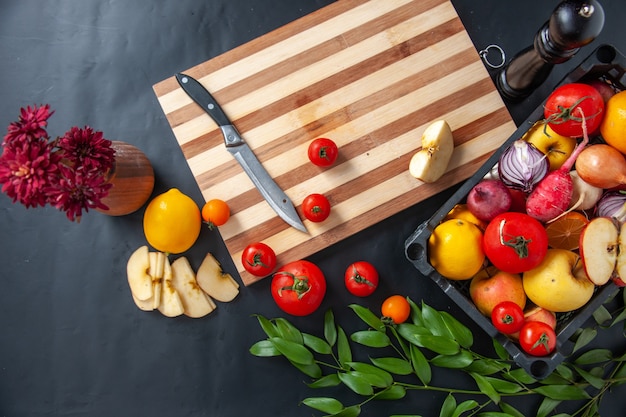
196, 302
137, 271
145, 305
599, 247
620, 264
431, 162
219, 285
157, 261
171, 304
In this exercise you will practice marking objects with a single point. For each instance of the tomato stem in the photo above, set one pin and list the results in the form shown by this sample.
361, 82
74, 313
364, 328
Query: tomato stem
358, 278
256, 260
518, 243
300, 285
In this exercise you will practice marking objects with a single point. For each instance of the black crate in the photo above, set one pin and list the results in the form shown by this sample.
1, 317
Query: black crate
605, 61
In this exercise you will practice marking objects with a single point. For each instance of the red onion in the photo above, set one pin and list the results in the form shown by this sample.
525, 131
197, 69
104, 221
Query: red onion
612, 204
522, 166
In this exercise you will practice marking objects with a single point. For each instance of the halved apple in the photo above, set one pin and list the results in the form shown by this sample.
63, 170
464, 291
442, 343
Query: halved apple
216, 283
138, 274
599, 247
195, 301
431, 162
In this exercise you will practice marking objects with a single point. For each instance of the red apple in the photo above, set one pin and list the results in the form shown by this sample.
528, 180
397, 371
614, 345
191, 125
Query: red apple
489, 198
491, 286
536, 313
599, 247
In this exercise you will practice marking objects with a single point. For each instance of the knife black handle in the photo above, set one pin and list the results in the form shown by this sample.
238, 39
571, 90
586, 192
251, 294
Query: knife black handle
203, 98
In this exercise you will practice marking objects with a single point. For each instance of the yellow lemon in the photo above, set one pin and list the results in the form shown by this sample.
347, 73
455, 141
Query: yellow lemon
613, 126
455, 249
460, 211
172, 222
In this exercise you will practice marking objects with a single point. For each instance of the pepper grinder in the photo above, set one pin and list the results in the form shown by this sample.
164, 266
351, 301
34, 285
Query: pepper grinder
573, 24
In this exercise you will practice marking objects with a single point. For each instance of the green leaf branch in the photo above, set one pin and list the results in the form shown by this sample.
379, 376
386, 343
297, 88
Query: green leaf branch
407, 356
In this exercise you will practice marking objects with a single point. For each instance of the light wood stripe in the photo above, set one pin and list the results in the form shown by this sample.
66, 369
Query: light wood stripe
371, 75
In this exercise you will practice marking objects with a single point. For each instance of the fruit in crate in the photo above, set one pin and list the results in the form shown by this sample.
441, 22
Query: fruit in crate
613, 127
490, 286
557, 148
489, 198
455, 249
603, 250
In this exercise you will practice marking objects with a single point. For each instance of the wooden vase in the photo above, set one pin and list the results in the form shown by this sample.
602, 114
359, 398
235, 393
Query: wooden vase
133, 180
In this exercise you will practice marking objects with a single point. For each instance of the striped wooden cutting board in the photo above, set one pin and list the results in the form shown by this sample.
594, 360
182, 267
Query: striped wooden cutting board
370, 75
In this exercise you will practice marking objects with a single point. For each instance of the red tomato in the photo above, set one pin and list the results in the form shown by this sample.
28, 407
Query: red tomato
515, 242
361, 278
507, 317
316, 207
323, 152
298, 288
258, 259
537, 338
569, 104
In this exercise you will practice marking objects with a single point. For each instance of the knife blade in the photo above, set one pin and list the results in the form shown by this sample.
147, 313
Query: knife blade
235, 144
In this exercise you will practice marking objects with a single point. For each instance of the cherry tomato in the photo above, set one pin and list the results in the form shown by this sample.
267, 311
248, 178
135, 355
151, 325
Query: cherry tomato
507, 317
323, 152
215, 213
361, 278
316, 207
258, 259
569, 104
396, 309
537, 338
298, 288
515, 242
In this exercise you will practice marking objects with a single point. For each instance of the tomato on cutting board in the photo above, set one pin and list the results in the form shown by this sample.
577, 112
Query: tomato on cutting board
298, 287
259, 259
323, 152
361, 278
569, 104
316, 207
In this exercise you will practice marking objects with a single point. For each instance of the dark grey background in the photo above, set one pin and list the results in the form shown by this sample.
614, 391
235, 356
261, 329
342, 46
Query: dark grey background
72, 341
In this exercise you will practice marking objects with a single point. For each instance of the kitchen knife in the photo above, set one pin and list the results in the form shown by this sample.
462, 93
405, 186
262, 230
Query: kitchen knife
235, 144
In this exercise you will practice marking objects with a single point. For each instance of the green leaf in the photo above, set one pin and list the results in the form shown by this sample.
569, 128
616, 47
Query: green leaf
288, 331
356, 383
316, 344
264, 348
520, 375
463, 359
330, 330
373, 379
416, 313
620, 317
366, 368
312, 370
460, 332
500, 350
464, 406
371, 338
352, 411
510, 410
343, 348
562, 392
593, 380
554, 379
438, 344
504, 387
331, 380
485, 387
293, 351
494, 414
565, 372
583, 339
434, 321
325, 404
394, 392
487, 366
547, 406
602, 315
368, 317
420, 365
267, 326
594, 356
394, 365
448, 406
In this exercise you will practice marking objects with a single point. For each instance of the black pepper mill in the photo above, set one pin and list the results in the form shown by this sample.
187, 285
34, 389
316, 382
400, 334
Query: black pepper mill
573, 24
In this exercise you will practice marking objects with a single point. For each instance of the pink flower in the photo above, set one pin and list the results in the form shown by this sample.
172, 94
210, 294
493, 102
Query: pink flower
31, 125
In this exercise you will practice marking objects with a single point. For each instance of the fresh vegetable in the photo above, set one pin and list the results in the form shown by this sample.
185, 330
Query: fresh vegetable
537, 338
522, 166
298, 288
316, 207
515, 242
323, 152
361, 278
215, 213
395, 309
259, 259
507, 317
602, 166
584, 195
489, 198
612, 204
431, 162
552, 196
568, 105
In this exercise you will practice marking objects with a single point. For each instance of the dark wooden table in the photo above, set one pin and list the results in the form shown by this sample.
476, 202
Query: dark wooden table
73, 343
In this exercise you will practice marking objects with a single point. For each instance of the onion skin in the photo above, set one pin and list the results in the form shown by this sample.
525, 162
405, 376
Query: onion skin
602, 166
612, 204
522, 166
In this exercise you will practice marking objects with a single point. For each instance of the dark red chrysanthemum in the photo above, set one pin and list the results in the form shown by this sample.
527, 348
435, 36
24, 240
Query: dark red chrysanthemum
31, 125
86, 149
25, 172
78, 190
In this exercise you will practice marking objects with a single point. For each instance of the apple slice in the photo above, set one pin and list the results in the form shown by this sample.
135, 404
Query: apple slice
157, 261
196, 302
144, 305
599, 244
171, 304
137, 271
620, 264
431, 162
219, 285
